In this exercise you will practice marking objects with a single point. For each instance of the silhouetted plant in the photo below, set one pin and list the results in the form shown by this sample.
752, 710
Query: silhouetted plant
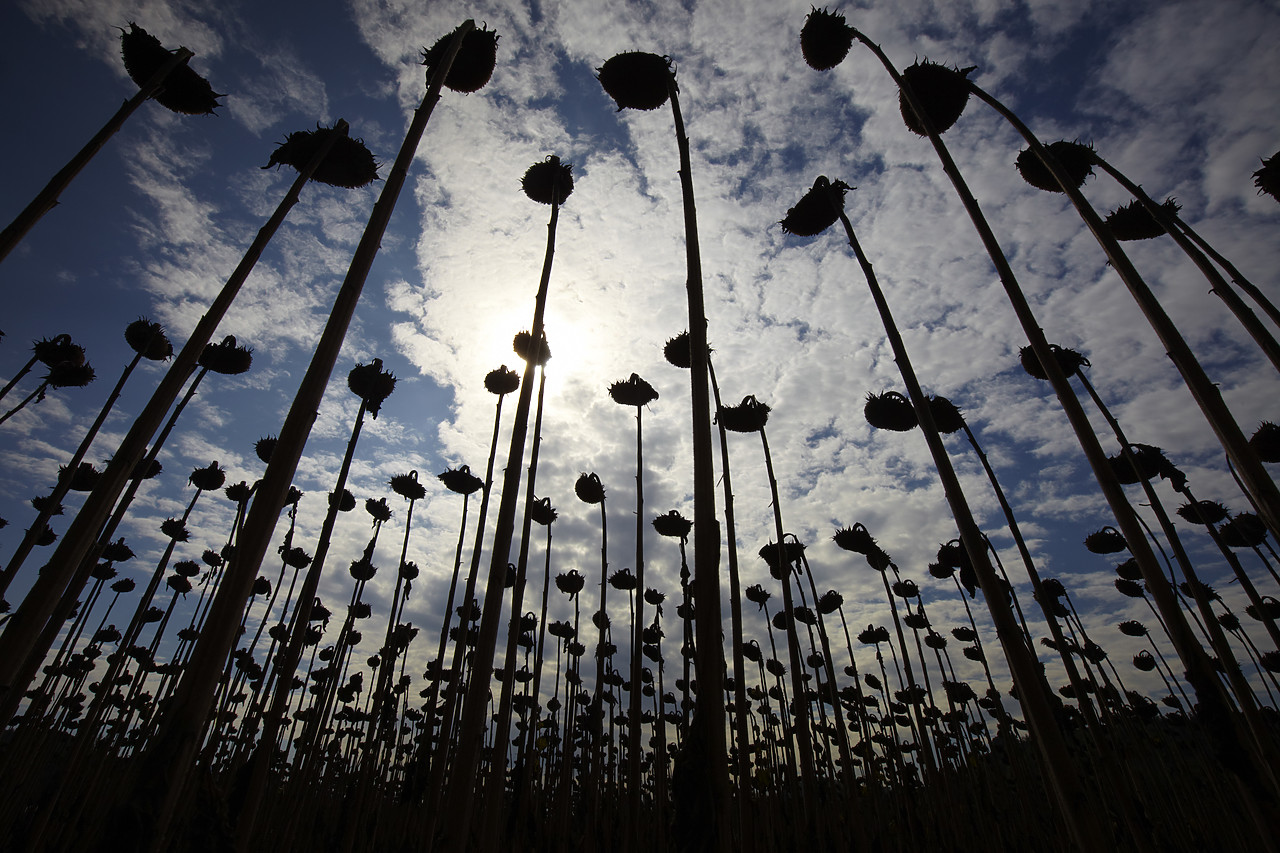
474, 708
159, 73
1267, 179
646, 81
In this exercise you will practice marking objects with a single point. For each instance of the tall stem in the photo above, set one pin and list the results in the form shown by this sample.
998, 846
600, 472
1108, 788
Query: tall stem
459, 801
292, 653
1219, 285
176, 742
637, 628
1259, 484
64, 482
1045, 602
735, 619
83, 530
1055, 757
48, 197
709, 715
502, 723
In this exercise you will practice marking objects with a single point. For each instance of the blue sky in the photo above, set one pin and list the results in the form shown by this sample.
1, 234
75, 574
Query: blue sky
159, 219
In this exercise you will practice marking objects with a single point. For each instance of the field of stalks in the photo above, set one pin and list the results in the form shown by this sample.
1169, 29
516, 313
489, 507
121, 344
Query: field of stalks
222, 705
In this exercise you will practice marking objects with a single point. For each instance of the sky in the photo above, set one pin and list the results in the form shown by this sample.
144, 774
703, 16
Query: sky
1178, 95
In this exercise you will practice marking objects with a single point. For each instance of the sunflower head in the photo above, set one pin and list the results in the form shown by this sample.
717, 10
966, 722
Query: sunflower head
748, 416
548, 182
524, 346
817, 210
636, 80
1108, 540
1245, 530
825, 39
1068, 360
349, 164
371, 384
264, 447
148, 339
408, 487
633, 391
51, 351
1265, 442
183, 91
673, 524
460, 480
1267, 179
856, 539
344, 501
83, 478
70, 375
1133, 628
589, 489
1134, 222
226, 357
890, 411
474, 64
1075, 158
946, 415
677, 353
942, 92
542, 512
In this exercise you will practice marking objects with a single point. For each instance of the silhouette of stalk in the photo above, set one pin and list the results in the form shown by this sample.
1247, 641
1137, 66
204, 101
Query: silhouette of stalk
1217, 641
407, 486
287, 661
47, 199
225, 358
735, 616
460, 481
1259, 484
1237, 277
751, 416
173, 747
590, 491
82, 533
49, 352
638, 393
362, 571
1201, 677
460, 800
544, 514
1188, 648
647, 81
148, 341
1171, 224
500, 382
502, 720
945, 410
1056, 762
63, 375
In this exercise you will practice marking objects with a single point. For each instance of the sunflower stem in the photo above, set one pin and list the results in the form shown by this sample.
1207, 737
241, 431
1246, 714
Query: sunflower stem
460, 796
82, 533
175, 744
48, 197
1207, 396
709, 716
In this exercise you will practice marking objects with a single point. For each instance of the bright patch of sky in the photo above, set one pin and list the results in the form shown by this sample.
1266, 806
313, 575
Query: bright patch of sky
162, 215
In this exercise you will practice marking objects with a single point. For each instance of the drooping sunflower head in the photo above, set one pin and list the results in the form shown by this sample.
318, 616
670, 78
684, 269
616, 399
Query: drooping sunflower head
474, 64
549, 181
825, 39
942, 92
1075, 158
636, 80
